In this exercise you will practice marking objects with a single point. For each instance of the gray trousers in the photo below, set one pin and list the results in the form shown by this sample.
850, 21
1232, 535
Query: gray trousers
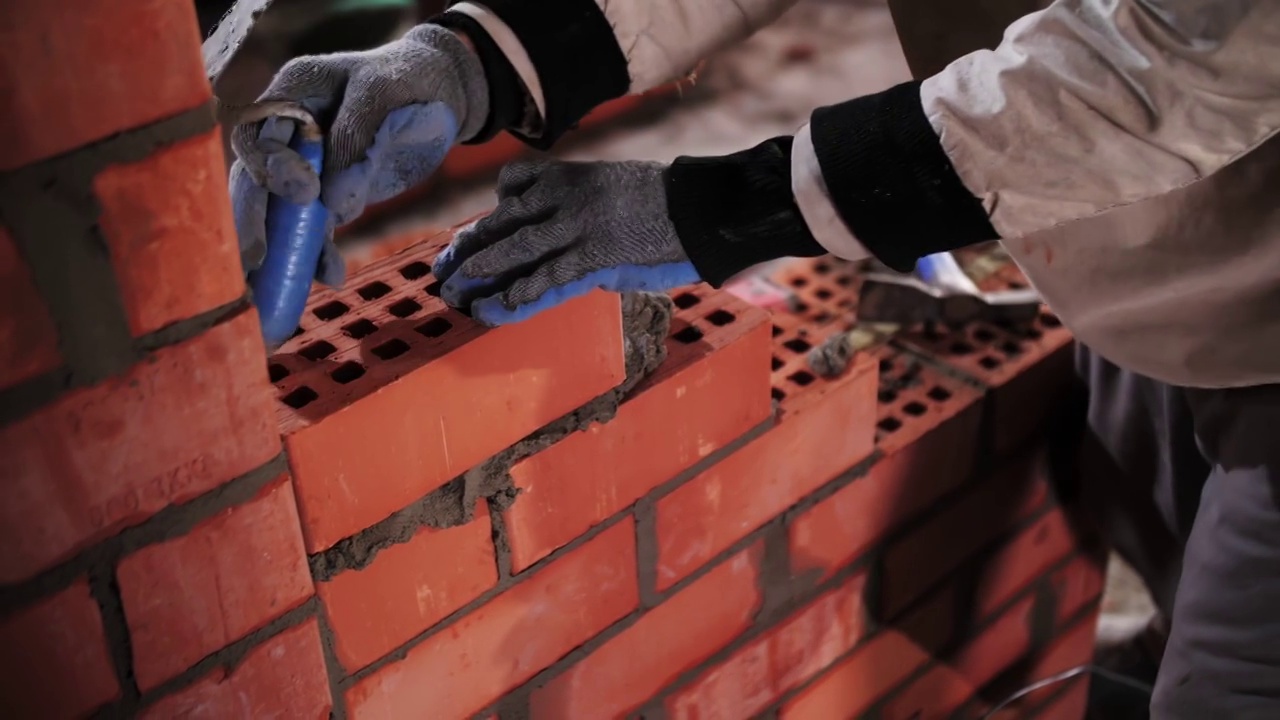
1186, 485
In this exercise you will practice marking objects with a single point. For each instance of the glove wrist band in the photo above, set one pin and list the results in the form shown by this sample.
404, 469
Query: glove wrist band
507, 95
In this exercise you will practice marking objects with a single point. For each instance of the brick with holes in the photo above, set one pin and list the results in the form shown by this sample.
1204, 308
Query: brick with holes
104, 68
785, 657
386, 394
824, 427
667, 641
825, 289
283, 677
713, 388
28, 338
912, 564
928, 429
188, 597
407, 588
172, 241
73, 473
55, 658
463, 668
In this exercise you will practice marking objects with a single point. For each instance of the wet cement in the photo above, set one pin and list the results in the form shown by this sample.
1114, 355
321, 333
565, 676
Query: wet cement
646, 322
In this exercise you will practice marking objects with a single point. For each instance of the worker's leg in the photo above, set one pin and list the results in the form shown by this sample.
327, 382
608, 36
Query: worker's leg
1223, 654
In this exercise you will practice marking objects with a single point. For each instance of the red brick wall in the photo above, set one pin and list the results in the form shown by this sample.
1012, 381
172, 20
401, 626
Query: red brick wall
403, 515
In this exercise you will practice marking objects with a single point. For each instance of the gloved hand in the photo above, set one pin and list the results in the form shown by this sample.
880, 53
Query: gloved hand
390, 114
559, 231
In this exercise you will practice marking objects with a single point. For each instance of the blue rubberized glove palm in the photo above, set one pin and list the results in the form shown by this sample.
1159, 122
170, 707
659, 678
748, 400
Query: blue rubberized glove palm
396, 111
561, 230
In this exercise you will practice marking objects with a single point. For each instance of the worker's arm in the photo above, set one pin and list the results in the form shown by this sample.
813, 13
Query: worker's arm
570, 56
1084, 106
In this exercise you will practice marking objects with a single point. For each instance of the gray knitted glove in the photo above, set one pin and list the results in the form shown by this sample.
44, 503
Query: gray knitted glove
559, 231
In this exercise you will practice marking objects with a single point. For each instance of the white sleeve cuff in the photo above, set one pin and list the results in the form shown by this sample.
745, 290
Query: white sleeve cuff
811, 195
510, 46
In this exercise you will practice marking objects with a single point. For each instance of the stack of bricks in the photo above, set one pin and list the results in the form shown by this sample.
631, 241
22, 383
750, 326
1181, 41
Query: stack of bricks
596, 513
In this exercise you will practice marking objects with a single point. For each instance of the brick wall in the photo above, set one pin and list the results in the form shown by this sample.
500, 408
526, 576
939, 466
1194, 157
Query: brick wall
637, 506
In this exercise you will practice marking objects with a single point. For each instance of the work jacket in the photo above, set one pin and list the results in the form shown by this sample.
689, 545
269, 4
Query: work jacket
1122, 151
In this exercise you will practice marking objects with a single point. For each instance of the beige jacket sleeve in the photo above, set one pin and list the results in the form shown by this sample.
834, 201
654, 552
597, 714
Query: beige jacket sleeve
1092, 104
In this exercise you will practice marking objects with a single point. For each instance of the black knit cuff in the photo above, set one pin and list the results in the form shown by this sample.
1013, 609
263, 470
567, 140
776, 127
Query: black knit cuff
507, 94
736, 211
890, 180
575, 54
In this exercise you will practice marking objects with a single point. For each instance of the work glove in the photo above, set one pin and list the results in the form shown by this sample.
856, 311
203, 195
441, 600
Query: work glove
559, 231
390, 115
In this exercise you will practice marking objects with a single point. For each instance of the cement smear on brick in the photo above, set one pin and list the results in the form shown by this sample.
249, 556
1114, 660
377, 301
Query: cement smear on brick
646, 322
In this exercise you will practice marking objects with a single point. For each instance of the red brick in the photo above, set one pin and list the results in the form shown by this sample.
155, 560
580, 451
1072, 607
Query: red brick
54, 658
999, 646
669, 640
707, 394
924, 557
1071, 649
284, 677
1026, 557
836, 531
935, 695
182, 422
851, 687
104, 66
407, 589
428, 405
463, 668
171, 238
234, 573
779, 661
28, 338
824, 428
1077, 585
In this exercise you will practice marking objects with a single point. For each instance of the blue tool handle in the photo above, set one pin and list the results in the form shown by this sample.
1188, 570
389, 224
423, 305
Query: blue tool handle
295, 239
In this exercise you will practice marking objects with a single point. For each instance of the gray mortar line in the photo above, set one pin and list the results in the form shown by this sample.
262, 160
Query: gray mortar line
332, 665
170, 522
647, 552
104, 586
23, 399
188, 328
501, 544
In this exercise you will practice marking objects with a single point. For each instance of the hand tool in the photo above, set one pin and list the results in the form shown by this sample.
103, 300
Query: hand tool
939, 291
295, 233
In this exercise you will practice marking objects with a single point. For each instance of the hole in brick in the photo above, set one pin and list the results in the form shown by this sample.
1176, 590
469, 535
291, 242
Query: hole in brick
824, 294
684, 301
1004, 323
359, 329
720, 318
296, 333
990, 363
844, 281
415, 270
821, 318
318, 350
886, 366
797, 345
374, 290
1017, 286
931, 332
801, 307
822, 268
689, 335
983, 335
392, 348
277, 372
433, 290
778, 395
404, 308
301, 397
331, 310
846, 304
1010, 348
799, 281
347, 372
777, 331
886, 396
801, 378
434, 328
1050, 320
939, 393
914, 408
776, 363
889, 424
961, 348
